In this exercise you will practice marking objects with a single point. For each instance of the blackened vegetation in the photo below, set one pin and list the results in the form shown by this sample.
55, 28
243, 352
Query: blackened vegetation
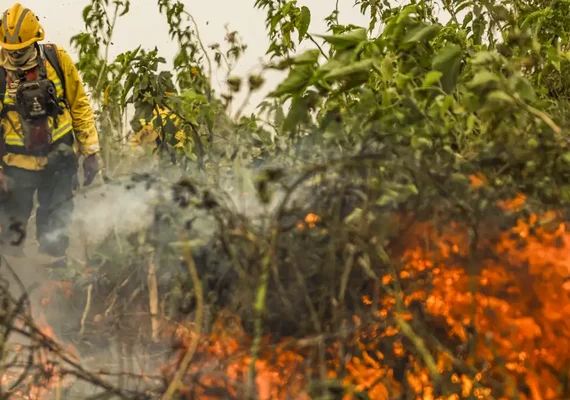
333, 249
325, 266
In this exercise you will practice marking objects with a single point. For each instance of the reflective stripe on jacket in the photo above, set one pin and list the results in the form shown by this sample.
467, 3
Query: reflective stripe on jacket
76, 124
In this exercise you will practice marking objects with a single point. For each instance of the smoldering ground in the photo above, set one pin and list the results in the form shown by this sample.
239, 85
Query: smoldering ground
104, 215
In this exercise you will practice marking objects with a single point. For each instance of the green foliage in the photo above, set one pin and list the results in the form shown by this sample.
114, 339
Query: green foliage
443, 98
391, 118
463, 96
135, 79
484, 92
284, 18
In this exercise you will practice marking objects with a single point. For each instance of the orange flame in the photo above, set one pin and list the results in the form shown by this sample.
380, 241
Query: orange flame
510, 301
517, 301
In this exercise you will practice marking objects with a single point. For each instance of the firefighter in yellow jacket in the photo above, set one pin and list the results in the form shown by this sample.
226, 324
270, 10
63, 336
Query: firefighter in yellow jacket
46, 124
146, 137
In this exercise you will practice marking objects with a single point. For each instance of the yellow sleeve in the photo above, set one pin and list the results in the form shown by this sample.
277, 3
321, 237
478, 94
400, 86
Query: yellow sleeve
81, 112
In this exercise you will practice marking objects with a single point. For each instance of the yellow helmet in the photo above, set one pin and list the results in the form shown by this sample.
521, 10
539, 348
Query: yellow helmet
19, 28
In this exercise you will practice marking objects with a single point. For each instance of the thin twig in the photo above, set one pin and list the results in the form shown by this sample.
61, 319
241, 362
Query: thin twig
153, 297
59, 388
259, 309
318, 46
243, 105
86, 310
199, 40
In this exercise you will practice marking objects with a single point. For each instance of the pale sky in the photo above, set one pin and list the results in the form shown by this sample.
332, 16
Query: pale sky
144, 25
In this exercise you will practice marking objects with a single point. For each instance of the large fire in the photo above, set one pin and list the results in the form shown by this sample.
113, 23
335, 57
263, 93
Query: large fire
507, 309
504, 303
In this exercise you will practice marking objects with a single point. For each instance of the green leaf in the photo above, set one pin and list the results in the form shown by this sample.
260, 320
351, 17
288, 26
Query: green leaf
279, 115
387, 69
501, 13
525, 89
191, 96
297, 114
295, 82
566, 157
402, 80
420, 143
308, 57
406, 13
355, 80
534, 16
304, 22
468, 18
446, 104
471, 122
386, 98
422, 34
126, 9
346, 40
389, 197
483, 78
324, 69
128, 85
533, 143
351, 69
485, 57
432, 78
448, 62
87, 11
500, 97
554, 57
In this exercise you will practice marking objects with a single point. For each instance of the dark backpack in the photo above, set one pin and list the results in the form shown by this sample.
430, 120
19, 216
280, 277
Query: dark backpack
51, 55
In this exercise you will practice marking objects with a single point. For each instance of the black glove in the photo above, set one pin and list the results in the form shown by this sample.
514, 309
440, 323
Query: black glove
5, 184
90, 169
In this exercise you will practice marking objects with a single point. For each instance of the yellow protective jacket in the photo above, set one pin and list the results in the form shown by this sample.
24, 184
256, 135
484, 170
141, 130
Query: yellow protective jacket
147, 135
76, 125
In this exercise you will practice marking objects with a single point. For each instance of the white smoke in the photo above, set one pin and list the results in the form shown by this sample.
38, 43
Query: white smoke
118, 209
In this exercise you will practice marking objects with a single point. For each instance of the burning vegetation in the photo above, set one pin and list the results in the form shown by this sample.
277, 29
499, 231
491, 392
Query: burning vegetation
430, 311
390, 224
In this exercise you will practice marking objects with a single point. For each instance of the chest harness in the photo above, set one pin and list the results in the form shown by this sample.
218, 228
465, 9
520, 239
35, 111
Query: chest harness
35, 102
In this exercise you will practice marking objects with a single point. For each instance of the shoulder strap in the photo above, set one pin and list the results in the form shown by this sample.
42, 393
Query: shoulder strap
2, 85
53, 58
